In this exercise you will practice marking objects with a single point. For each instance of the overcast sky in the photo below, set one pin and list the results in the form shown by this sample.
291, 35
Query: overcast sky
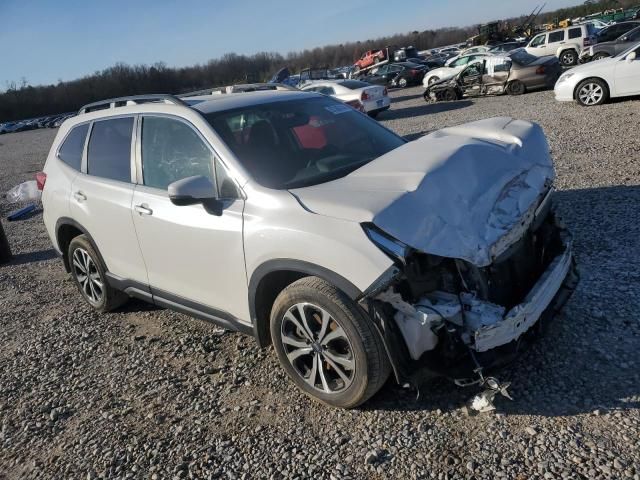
47, 41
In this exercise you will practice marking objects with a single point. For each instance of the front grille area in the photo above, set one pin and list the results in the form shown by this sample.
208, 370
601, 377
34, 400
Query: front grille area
508, 281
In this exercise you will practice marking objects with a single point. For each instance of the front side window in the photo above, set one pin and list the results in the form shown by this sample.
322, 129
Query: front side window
539, 40
575, 33
297, 143
171, 151
109, 151
70, 151
556, 37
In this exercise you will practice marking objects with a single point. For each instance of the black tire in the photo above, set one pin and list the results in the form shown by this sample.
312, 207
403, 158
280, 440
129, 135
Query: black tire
599, 56
374, 114
568, 58
108, 298
361, 341
449, 95
516, 88
594, 85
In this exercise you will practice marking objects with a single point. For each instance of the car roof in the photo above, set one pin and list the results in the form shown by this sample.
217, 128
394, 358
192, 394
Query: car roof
230, 101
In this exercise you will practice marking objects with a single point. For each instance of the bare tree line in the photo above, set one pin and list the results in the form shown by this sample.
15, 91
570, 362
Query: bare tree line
26, 101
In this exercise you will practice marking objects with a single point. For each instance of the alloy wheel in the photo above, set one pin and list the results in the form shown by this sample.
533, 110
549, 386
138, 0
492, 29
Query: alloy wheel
88, 276
591, 94
318, 348
568, 58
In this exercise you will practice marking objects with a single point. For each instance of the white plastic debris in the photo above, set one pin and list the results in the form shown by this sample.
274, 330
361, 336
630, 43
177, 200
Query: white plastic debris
25, 192
417, 322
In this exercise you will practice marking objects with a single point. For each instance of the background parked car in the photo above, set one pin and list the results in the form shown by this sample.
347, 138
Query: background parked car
370, 57
401, 74
514, 74
614, 31
564, 43
595, 82
450, 70
611, 49
373, 98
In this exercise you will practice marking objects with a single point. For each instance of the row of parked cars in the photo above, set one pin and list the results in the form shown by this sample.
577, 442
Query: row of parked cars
52, 121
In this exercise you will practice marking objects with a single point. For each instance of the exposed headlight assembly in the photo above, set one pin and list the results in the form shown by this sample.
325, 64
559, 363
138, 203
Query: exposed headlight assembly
394, 248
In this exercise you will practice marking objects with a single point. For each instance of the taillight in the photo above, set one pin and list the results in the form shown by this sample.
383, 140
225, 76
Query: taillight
364, 96
41, 179
541, 70
586, 41
385, 92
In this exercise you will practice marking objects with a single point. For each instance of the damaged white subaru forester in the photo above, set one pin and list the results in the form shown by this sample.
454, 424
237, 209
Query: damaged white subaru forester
294, 218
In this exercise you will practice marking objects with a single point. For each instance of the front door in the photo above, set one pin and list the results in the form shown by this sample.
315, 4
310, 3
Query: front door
193, 257
627, 78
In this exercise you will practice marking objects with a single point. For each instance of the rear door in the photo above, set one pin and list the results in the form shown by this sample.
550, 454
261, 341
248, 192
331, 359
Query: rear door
101, 196
555, 40
192, 256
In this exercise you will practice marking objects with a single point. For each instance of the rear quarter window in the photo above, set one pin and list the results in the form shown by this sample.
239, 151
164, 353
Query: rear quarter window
70, 152
556, 37
109, 151
575, 33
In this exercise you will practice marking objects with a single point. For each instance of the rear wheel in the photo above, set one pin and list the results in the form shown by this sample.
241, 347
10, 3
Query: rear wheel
326, 344
592, 92
88, 273
568, 58
516, 88
402, 83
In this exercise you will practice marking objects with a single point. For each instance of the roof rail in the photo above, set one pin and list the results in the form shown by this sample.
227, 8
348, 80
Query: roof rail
131, 100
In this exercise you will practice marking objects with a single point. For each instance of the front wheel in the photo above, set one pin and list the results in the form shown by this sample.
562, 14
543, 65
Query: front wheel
592, 92
326, 344
433, 80
600, 56
568, 58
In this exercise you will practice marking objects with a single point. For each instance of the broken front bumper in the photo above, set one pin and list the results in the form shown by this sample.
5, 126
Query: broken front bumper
492, 346
523, 316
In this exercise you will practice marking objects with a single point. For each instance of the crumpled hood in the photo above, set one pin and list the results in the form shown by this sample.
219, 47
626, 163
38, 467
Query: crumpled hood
454, 193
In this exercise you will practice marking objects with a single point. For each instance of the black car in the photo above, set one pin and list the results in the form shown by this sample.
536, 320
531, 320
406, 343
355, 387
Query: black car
615, 31
401, 74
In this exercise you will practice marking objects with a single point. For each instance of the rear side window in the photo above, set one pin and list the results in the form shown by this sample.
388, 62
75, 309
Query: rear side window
634, 35
171, 151
109, 151
556, 36
575, 33
70, 151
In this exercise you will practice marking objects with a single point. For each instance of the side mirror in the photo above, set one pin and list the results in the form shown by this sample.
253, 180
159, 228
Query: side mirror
195, 190
631, 57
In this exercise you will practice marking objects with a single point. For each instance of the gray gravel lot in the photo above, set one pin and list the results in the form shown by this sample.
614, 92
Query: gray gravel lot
147, 393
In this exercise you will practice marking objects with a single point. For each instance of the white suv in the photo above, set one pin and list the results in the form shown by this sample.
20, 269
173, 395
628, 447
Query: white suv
564, 43
292, 217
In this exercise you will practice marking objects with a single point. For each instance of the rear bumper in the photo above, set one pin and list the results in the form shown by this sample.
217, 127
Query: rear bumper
371, 106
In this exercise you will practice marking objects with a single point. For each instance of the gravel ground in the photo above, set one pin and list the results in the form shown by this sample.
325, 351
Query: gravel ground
147, 393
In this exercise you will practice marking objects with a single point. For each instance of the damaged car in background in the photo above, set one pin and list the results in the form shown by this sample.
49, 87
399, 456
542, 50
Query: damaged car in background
514, 74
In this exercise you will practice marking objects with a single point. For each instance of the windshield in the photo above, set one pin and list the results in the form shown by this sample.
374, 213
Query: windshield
634, 48
354, 84
298, 143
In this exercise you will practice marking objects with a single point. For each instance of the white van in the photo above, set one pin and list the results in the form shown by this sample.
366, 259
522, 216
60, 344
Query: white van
564, 43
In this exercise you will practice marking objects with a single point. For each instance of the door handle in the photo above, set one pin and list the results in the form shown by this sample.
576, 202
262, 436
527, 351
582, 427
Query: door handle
143, 209
79, 196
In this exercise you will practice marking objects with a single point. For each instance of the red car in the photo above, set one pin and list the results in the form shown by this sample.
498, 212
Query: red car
369, 58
